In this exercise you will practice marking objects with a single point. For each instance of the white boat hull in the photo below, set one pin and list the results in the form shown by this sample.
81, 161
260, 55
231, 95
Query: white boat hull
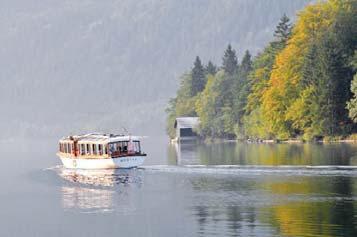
105, 163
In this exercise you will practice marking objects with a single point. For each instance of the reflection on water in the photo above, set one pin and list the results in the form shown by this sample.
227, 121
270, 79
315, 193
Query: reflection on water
87, 199
232, 153
327, 209
295, 206
97, 190
105, 177
185, 153
270, 189
228, 189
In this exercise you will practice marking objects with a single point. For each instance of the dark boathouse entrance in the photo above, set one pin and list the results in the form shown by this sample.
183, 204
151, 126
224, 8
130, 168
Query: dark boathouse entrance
185, 128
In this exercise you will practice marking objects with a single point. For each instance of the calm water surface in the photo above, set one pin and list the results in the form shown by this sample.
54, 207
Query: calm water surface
188, 190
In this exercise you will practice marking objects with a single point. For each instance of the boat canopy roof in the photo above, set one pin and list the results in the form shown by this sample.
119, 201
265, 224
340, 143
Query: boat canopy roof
100, 138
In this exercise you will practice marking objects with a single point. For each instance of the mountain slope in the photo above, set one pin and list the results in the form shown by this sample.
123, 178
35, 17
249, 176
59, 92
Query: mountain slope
77, 65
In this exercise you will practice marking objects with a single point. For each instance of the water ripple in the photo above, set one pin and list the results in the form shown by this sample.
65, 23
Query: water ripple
290, 170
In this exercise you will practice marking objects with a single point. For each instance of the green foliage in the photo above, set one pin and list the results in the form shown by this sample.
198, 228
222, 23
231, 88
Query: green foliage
259, 77
352, 104
206, 107
309, 84
255, 125
297, 87
198, 77
240, 96
171, 117
332, 86
230, 61
211, 68
213, 109
221, 105
283, 29
182, 105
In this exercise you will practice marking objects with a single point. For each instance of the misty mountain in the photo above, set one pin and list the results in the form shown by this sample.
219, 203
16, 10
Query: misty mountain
83, 65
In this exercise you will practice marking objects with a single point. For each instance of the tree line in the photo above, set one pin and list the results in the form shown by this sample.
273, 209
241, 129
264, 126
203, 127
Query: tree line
302, 85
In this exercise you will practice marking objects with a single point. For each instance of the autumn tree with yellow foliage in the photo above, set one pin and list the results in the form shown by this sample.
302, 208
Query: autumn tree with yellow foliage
309, 84
299, 86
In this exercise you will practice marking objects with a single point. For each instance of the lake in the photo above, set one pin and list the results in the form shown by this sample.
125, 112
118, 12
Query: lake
228, 189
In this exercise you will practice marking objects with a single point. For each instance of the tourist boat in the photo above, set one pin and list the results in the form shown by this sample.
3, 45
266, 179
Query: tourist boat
100, 151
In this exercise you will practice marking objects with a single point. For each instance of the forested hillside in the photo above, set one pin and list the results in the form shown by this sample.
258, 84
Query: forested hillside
299, 86
80, 65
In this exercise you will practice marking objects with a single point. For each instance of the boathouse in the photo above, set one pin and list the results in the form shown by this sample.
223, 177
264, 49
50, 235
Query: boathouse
185, 128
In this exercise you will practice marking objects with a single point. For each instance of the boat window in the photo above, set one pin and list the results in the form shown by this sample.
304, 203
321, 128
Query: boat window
125, 146
111, 148
88, 149
137, 146
100, 149
120, 147
82, 148
105, 149
94, 149
65, 148
69, 148
131, 148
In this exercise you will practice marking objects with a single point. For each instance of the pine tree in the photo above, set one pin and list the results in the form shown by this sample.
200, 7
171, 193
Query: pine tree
334, 64
230, 62
255, 124
211, 68
309, 67
325, 72
198, 77
246, 65
241, 92
283, 30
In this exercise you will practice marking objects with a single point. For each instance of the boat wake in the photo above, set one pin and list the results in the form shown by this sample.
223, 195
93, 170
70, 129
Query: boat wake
291, 170
113, 177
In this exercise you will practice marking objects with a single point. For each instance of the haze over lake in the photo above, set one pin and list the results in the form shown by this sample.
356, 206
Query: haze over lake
222, 190
83, 65
80, 66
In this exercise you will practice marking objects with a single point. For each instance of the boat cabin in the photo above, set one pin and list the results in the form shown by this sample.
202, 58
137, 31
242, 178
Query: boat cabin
99, 146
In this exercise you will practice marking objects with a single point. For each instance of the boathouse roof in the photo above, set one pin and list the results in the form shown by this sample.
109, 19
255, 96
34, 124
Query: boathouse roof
186, 122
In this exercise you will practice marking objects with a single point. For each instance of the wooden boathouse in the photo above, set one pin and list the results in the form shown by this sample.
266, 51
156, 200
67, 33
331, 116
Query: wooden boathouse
185, 128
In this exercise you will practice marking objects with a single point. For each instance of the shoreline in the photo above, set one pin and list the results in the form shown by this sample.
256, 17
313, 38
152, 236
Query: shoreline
264, 141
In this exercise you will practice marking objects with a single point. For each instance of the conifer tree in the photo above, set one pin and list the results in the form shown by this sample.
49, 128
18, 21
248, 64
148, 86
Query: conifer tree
230, 62
211, 68
246, 65
283, 29
241, 92
309, 67
198, 77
